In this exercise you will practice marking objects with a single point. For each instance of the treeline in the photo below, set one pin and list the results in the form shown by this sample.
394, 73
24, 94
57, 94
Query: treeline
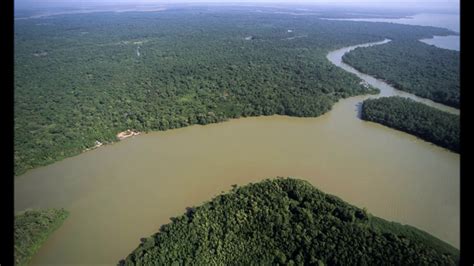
287, 221
412, 66
423, 121
78, 78
31, 230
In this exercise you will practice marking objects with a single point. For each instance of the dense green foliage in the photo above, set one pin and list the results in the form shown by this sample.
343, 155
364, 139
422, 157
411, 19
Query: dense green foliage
79, 78
32, 228
404, 114
287, 221
412, 66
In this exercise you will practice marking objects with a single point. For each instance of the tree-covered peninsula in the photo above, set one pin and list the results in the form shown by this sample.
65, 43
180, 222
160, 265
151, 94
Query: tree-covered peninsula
412, 66
418, 119
32, 228
287, 221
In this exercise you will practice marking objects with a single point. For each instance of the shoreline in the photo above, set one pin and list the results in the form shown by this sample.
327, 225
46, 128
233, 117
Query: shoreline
120, 136
130, 133
127, 133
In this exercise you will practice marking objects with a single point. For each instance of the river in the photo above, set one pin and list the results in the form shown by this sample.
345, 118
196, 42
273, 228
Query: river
449, 21
385, 89
450, 42
120, 193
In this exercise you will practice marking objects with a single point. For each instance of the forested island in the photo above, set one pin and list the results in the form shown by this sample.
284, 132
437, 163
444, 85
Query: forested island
32, 229
81, 79
423, 121
412, 66
287, 221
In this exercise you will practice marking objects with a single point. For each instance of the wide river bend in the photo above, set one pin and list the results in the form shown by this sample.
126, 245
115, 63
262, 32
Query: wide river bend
119, 193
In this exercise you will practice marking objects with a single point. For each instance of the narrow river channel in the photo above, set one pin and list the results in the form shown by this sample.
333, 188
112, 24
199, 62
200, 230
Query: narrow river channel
385, 89
120, 193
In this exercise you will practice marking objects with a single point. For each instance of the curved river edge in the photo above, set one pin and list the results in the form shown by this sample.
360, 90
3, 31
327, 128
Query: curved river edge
386, 90
449, 42
122, 192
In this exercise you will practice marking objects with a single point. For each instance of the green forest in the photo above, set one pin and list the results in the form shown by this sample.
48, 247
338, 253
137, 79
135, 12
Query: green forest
32, 228
418, 119
287, 221
412, 66
86, 77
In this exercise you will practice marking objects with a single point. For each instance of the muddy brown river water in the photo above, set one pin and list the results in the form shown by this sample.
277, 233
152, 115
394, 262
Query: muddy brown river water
119, 193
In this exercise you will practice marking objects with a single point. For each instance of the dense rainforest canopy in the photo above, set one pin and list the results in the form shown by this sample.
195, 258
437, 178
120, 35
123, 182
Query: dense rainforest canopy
32, 228
423, 121
83, 78
287, 221
412, 66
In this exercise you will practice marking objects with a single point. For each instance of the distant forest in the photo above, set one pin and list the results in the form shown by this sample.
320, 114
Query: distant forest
412, 66
287, 222
83, 78
428, 123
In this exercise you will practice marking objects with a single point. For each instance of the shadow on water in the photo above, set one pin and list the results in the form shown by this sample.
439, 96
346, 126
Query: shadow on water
359, 109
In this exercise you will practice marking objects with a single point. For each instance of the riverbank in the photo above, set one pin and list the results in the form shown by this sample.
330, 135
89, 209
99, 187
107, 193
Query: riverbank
32, 229
450, 42
120, 136
153, 94
127, 133
438, 127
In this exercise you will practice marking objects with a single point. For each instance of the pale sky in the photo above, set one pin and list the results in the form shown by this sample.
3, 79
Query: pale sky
447, 4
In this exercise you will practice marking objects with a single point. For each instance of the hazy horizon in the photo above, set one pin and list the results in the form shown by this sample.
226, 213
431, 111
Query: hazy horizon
416, 5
